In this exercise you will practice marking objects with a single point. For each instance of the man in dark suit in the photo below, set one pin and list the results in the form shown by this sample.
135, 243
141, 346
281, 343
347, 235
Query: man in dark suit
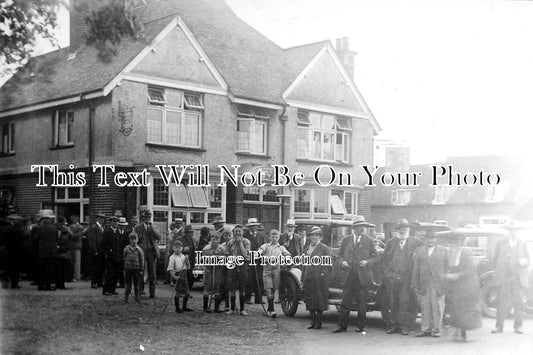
254, 282
112, 249
511, 276
148, 240
189, 249
124, 239
95, 234
428, 282
357, 254
290, 240
397, 261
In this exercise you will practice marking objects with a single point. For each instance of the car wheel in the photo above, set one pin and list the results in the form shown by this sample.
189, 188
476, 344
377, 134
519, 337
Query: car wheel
489, 299
288, 295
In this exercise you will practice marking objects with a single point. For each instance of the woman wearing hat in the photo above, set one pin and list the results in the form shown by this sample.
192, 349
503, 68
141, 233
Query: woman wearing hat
316, 279
463, 297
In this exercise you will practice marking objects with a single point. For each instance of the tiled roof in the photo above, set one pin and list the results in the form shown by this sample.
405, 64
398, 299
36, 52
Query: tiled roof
253, 66
56, 77
511, 171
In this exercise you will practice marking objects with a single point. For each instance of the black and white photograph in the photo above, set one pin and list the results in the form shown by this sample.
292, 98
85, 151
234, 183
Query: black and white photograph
266, 177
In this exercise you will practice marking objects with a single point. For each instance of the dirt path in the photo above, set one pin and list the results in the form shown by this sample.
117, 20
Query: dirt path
80, 319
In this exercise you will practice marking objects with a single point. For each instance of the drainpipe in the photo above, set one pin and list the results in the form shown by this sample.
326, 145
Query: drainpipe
91, 156
283, 119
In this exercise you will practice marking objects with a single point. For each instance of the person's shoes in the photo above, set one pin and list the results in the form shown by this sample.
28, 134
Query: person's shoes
106, 293
339, 330
248, 301
244, 312
206, 310
125, 300
404, 332
518, 330
274, 314
393, 331
312, 326
318, 325
423, 334
359, 329
497, 330
94, 286
120, 286
137, 300
259, 301
151, 296
230, 312
187, 309
435, 334
114, 293
269, 314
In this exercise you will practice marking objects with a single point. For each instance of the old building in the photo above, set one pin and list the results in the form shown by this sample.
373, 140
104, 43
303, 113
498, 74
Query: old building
458, 193
199, 87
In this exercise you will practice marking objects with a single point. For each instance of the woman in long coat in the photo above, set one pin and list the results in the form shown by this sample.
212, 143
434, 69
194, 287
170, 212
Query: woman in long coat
316, 279
463, 298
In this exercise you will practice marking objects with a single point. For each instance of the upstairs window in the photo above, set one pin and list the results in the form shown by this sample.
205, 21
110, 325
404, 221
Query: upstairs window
400, 197
323, 137
7, 138
441, 195
62, 125
252, 129
174, 117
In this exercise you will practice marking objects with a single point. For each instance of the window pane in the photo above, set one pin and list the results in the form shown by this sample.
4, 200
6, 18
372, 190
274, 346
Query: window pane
328, 122
173, 98
61, 193
179, 214
156, 96
303, 142
160, 193
348, 197
302, 201
191, 130
180, 197
315, 119
317, 145
173, 129
244, 132
155, 125
341, 148
62, 128
270, 194
251, 193
143, 196
211, 217
321, 201
70, 123
73, 192
197, 217
303, 117
215, 196
329, 146
4, 137
161, 221
12, 138
193, 102
337, 206
198, 197
259, 137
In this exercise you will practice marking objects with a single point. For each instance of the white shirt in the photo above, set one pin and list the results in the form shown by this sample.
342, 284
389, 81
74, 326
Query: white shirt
430, 250
512, 243
402, 244
177, 263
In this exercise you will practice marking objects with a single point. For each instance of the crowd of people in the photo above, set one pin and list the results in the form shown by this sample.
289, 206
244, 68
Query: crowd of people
419, 274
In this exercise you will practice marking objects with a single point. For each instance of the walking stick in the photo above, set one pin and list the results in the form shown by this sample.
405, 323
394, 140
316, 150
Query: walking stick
212, 290
259, 289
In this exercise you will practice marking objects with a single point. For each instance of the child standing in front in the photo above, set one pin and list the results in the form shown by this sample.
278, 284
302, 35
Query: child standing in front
271, 273
213, 275
178, 264
133, 266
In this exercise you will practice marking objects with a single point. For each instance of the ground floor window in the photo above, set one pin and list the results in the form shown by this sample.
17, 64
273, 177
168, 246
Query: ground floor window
324, 203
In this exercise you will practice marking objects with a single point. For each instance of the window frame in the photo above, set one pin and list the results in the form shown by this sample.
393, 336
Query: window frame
182, 110
252, 136
305, 123
395, 197
56, 128
10, 143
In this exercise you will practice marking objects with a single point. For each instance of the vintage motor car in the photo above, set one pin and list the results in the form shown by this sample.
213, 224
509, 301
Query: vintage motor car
482, 244
333, 232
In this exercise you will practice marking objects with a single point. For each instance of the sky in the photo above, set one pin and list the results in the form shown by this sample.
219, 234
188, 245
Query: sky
451, 77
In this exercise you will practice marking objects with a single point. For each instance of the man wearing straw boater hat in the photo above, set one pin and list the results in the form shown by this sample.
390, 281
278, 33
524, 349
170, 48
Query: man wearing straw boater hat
398, 263
124, 238
357, 254
511, 275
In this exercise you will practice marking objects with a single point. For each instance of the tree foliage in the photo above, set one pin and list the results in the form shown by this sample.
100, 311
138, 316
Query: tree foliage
109, 22
21, 23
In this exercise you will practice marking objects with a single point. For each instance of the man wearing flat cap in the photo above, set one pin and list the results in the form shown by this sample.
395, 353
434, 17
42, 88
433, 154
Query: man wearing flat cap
189, 250
397, 261
148, 240
357, 254
511, 276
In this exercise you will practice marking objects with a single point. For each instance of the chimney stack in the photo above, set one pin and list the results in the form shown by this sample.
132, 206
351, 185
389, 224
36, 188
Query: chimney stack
342, 47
